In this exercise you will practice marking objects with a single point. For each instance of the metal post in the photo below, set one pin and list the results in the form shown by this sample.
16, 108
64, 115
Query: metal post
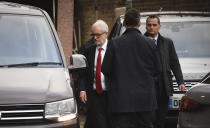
54, 12
96, 8
128, 4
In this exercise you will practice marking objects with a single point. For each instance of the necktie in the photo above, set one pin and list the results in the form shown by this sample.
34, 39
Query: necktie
155, 41
98, 73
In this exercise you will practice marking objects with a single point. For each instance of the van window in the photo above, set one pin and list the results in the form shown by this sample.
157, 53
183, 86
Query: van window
25, 39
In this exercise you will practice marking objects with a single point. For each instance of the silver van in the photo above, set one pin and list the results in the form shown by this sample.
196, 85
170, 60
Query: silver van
35, 87
190, 32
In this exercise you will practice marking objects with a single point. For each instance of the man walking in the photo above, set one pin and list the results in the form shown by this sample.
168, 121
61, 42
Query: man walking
131, 65
92, 85
169, 62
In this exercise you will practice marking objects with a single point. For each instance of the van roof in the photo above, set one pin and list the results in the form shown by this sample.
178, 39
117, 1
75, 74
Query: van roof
14, 8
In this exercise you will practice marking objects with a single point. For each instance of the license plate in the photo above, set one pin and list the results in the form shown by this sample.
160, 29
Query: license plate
174, 101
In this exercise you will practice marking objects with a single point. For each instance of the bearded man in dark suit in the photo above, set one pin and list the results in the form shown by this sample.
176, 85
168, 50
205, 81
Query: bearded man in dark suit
93, 89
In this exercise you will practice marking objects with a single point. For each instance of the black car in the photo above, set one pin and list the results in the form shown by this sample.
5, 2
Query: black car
195, 106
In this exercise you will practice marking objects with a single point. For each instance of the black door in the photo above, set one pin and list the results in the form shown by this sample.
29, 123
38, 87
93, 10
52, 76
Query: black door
50, 6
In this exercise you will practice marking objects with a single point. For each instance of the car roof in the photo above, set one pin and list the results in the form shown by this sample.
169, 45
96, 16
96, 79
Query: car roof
14, 8
177, 13
176, 16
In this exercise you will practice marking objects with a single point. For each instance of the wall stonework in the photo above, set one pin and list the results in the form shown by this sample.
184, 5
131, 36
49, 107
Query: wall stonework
106, 10
65, 15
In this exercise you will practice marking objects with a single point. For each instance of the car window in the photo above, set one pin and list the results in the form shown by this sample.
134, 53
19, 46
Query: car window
191, 39
26, 39
206, 79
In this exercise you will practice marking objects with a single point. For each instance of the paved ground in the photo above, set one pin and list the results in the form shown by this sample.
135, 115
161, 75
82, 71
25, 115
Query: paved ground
82, 120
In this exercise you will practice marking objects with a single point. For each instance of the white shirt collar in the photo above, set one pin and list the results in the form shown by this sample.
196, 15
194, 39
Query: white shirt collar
156, 38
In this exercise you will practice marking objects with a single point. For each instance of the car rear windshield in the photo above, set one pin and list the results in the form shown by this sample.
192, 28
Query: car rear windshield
25, 39
191, 39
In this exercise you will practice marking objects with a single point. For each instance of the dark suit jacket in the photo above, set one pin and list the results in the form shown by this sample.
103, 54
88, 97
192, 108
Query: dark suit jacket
86, 45
87, 79
130, 65
170, 62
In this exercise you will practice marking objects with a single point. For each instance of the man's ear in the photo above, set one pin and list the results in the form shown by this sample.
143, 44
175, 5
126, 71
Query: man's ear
107, 34
159, 27
139, 24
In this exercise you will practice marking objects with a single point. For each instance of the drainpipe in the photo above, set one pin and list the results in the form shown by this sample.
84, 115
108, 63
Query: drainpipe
128, 4
96, 8
54, 12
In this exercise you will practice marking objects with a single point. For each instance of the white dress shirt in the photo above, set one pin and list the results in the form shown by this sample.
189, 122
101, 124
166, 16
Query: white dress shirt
104, 47
156, 38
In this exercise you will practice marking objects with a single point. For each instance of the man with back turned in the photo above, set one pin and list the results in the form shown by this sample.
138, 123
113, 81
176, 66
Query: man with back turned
131, 66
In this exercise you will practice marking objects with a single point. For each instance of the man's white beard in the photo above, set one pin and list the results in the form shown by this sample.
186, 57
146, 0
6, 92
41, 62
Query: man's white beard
100, 42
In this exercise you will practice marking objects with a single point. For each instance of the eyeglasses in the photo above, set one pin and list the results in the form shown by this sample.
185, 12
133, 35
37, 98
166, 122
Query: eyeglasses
97, 35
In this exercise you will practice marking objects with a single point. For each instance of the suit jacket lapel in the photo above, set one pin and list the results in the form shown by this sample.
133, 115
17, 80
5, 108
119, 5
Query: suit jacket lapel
92, 59
160, 42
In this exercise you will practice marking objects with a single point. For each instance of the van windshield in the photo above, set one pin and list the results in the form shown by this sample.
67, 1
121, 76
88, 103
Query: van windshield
25, 39
191, 39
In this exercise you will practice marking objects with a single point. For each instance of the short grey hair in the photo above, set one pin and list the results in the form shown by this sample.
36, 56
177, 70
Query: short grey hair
102, 24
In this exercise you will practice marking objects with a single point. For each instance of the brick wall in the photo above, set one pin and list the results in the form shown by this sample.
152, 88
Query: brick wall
65, 25
86, 11
87, 14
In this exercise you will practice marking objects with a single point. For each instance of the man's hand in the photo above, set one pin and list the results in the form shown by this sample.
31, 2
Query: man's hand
181, 87
83, 96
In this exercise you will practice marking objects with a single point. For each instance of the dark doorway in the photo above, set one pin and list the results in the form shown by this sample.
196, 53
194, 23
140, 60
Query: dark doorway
50, 6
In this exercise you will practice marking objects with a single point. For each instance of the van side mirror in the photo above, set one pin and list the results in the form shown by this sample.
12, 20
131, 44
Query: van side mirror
78, 63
